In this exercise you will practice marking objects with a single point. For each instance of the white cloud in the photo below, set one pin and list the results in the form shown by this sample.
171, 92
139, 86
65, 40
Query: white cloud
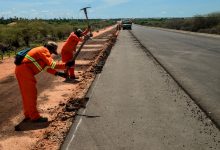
163, 12
44, 11
107, 4
88, 1
181, 12
115, 2
6, 13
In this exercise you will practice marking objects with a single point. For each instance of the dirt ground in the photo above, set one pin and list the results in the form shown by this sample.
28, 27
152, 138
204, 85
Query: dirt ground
57, 100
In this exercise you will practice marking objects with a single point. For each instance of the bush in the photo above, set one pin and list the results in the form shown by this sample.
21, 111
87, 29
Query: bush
209, 23
17, 32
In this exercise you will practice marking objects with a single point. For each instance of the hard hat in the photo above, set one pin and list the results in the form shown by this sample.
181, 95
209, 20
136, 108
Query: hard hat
52, 47
78, 32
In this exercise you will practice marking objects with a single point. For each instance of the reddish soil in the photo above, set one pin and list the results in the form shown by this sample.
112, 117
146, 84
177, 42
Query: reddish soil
57, 100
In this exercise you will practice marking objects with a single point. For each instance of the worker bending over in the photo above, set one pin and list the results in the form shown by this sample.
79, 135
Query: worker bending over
69, 48
35, 61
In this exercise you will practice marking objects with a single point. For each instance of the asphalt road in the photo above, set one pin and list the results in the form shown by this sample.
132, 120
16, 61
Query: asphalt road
194, 60
135, 105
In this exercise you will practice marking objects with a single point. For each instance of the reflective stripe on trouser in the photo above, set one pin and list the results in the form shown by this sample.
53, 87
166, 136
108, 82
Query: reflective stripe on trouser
27, 84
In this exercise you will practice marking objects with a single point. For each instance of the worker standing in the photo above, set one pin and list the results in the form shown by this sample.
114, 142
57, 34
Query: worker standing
69, 48
35, 61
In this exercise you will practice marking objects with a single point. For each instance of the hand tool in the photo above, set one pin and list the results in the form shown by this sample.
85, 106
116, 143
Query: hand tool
87, 19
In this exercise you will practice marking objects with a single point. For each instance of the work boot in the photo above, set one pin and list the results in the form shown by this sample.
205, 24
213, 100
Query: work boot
26, 119
41, 120
74, 77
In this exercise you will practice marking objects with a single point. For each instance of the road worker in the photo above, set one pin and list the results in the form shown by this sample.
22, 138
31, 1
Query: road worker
69, 48
35, 61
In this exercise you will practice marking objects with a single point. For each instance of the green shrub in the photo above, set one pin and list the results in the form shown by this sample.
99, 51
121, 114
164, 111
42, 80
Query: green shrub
207, 23
16, 33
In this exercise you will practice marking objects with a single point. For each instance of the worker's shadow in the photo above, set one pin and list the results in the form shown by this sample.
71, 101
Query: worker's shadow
28, 125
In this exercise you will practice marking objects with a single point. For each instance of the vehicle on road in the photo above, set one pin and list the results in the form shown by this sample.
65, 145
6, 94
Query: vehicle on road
126, 24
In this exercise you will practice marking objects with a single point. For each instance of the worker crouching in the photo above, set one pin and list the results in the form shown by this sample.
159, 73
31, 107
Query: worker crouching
36, 60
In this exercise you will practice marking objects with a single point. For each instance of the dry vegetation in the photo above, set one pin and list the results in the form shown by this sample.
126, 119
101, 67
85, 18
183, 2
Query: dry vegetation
17, 33
207, 23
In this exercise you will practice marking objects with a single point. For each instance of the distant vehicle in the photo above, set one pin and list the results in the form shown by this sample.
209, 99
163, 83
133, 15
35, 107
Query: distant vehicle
126, 24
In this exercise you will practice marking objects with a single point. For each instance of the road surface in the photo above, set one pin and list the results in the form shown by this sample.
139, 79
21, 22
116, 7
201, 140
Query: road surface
135, 105
194, 60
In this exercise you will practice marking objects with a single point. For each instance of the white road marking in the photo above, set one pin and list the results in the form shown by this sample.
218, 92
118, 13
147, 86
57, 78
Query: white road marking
80, 120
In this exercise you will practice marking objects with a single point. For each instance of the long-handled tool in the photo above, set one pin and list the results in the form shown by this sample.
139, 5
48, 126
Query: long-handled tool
79, 49
75, 56
87, 19
83, 43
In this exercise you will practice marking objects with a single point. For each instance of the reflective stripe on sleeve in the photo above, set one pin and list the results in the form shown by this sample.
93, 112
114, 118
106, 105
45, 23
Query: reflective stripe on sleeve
53, 65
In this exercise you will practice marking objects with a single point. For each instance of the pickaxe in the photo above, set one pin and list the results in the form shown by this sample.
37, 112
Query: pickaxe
85, 11
83, 43
75, 55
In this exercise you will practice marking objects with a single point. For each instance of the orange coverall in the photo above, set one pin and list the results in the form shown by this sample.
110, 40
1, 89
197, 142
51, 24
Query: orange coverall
69, 48
25, 75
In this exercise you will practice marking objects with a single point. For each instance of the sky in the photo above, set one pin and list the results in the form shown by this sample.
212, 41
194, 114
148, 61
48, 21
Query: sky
106, 9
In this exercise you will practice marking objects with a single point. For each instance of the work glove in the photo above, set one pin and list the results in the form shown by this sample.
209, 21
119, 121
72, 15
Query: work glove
86, 37
90, 35
70, 63
61, 74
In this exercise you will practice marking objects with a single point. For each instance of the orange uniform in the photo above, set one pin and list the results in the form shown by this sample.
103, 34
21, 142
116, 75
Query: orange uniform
69, 48
36, 60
